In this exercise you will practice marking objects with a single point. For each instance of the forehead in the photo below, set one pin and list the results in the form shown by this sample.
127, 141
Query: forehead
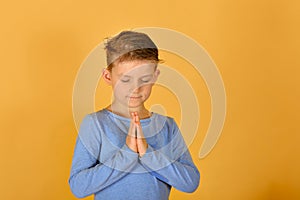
134, 68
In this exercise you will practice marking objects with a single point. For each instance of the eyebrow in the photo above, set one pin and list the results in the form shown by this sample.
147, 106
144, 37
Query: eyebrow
121, 75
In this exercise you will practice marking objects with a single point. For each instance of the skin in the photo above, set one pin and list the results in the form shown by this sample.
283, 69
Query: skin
132, 83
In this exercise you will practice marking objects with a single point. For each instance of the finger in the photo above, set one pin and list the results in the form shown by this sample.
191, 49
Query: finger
141, 141
131, 131
139, 131
137, 118
131, 143
135, 123
133, 114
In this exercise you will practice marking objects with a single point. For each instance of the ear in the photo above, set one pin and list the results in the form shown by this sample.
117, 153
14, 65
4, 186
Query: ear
156, 74
106, 74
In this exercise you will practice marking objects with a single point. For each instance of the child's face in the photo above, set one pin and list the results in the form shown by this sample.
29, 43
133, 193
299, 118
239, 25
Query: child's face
132, 82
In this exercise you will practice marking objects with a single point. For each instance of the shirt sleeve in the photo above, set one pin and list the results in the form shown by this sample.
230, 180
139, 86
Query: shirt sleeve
88, 175
172, 163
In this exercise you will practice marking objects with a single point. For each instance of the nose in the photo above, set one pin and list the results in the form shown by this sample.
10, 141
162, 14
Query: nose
135, 86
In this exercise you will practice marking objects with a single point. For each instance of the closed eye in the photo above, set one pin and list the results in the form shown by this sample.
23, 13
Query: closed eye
146, 80
125, 80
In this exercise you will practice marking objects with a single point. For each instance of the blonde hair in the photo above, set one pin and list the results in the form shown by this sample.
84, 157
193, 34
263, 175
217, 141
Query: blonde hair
129, 46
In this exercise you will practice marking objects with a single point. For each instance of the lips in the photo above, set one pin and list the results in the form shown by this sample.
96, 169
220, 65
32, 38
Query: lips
134, 97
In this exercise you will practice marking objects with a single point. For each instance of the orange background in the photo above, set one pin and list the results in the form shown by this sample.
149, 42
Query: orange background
255, 45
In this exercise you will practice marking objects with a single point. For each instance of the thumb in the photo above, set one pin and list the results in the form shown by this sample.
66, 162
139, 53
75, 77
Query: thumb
139, 131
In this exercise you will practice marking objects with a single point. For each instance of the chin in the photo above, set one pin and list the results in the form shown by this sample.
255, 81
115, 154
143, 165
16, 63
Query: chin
134, 105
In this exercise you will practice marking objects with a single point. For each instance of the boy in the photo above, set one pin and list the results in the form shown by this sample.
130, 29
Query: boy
124, 151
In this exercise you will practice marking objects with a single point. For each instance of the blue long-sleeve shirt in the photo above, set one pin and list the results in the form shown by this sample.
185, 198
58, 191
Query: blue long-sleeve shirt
104, 165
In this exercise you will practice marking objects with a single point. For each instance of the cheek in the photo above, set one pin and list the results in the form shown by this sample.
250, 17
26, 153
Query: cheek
146, 88
119, 87
120, 90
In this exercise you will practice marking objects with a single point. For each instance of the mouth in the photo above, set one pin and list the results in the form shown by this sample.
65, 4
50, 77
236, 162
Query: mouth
134, 97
